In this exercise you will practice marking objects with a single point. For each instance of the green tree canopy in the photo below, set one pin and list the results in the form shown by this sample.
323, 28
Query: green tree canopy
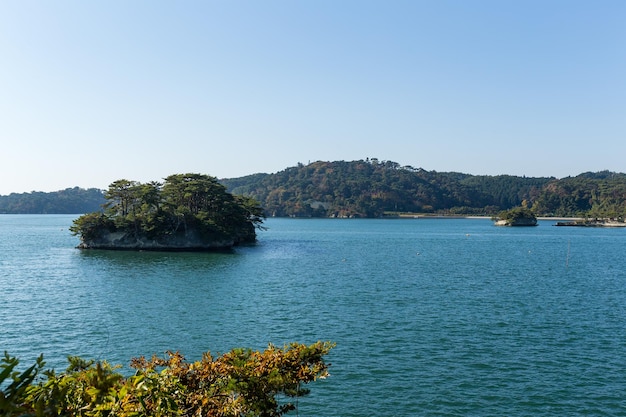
373, 188
518, 216
194, 207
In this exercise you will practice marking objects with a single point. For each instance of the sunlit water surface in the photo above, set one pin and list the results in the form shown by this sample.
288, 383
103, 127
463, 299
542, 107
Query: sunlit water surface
431, 317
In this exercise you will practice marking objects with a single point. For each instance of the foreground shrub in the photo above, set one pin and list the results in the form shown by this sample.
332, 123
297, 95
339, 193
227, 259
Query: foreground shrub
14, 385
241, 382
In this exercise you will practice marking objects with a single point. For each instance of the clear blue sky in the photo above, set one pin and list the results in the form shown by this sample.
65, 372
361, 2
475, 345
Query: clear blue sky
95, 91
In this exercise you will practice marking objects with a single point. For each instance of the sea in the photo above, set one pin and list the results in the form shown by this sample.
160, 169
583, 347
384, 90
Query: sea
431, 317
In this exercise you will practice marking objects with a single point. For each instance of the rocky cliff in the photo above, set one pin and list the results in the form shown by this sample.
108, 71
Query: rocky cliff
517, 222
189, 241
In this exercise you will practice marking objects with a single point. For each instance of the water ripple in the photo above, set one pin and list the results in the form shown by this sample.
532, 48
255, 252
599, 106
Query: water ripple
431, 317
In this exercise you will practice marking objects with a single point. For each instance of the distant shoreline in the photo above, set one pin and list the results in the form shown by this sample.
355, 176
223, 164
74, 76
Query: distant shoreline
454, 216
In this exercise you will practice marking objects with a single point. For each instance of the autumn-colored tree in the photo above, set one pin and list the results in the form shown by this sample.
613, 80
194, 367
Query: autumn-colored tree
242, 382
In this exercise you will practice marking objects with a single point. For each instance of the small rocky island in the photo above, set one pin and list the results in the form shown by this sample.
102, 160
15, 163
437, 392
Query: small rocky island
188, 212
593, 223
519, 216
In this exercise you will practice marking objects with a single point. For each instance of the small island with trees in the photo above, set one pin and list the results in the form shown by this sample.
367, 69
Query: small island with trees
518, 216
188, 212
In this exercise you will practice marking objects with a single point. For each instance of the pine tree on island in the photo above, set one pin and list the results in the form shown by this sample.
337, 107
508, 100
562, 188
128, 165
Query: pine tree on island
188, 212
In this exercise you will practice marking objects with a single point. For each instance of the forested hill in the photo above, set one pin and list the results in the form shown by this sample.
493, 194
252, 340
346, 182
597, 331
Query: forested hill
69, 201
373, 188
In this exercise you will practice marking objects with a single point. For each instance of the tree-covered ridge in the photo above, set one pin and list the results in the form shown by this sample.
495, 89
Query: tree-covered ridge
373, 188
69, 201
601, 194
187, 211
370, 188
239, 383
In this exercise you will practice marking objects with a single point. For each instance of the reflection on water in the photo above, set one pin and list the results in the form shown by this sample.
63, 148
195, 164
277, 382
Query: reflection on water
154, 259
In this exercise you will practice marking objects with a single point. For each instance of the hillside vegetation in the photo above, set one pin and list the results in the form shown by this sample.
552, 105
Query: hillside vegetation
69, 201
374, 188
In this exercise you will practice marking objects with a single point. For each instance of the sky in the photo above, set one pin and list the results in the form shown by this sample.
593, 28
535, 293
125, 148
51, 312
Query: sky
96, 91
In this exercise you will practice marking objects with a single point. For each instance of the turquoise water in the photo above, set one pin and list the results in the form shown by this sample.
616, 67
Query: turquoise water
431, 317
